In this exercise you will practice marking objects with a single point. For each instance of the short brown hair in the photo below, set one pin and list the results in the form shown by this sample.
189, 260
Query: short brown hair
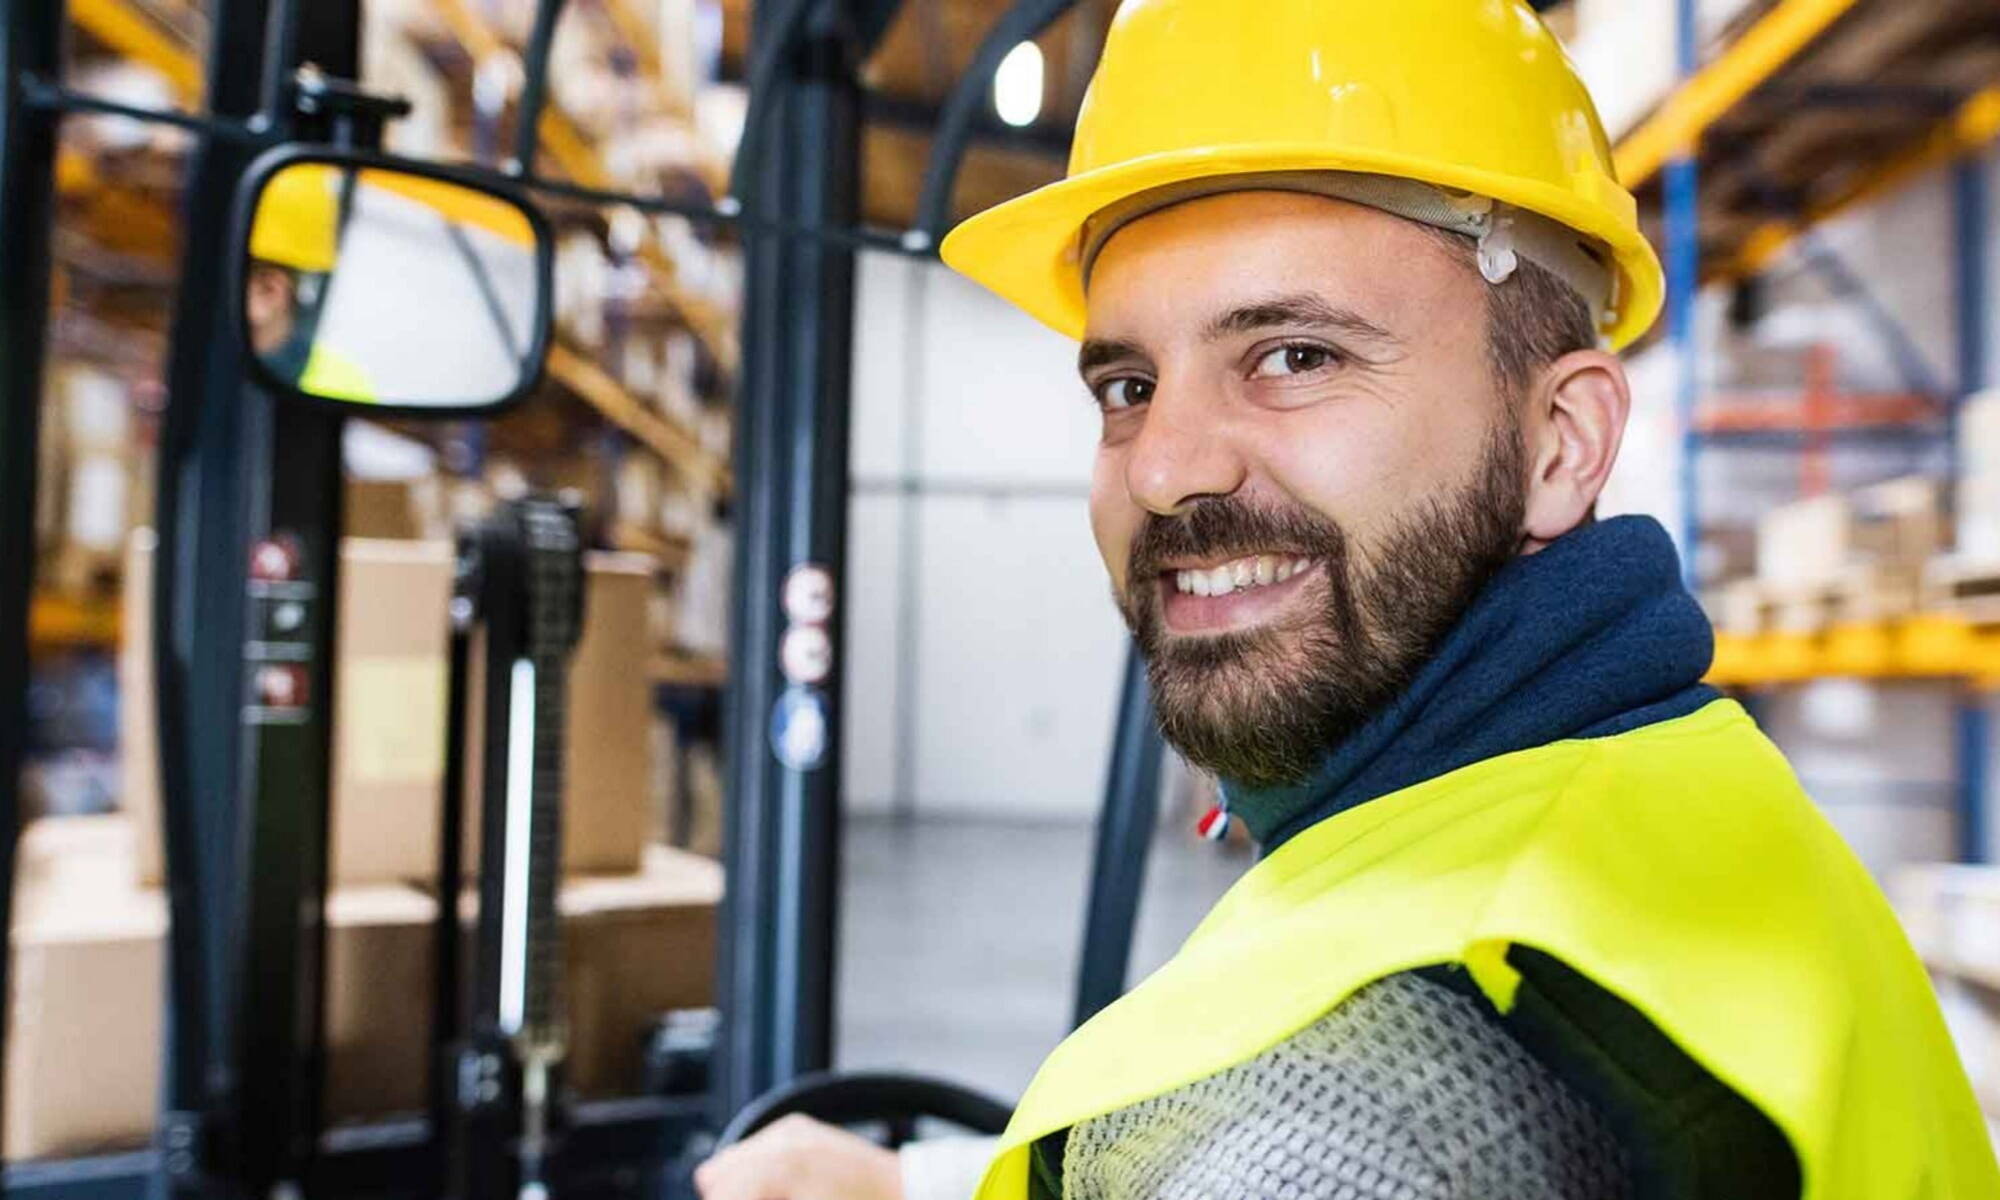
1532, 319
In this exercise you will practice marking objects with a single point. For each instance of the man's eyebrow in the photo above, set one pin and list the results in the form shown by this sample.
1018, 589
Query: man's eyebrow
1304, 309
1098, 352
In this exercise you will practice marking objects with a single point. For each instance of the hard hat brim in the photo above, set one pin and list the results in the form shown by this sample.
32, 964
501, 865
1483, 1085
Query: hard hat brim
1027, 249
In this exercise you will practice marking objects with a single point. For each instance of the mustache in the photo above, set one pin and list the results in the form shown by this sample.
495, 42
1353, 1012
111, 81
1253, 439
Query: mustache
1225, 526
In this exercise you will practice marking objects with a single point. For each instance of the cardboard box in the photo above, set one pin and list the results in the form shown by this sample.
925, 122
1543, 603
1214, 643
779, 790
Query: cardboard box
1900, 523
389, 716
636, 946
86, 1026
389, 696
381, 508
1804, 544
609, 769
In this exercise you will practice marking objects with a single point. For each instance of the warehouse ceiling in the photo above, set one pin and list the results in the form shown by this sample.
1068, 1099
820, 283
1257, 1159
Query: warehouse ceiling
913, 70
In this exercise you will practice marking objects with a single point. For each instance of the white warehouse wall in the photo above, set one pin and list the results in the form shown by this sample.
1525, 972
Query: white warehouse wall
972, 444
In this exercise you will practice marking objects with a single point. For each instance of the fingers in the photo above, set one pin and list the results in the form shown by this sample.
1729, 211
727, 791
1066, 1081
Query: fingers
798, 1158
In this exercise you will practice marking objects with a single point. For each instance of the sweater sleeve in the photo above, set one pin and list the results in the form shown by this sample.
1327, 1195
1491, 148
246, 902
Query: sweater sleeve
945, 1168
1408, 1090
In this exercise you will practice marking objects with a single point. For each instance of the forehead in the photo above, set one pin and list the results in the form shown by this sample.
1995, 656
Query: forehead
1172, 270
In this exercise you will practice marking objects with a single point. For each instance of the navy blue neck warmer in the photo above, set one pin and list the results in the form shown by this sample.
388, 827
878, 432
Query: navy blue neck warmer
1593, 636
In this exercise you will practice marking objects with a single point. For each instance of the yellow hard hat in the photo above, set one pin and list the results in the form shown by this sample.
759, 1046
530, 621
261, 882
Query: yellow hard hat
1474, 97
298, 218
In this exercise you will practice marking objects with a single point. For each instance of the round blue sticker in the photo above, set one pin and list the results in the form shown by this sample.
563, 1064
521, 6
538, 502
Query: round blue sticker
798, 729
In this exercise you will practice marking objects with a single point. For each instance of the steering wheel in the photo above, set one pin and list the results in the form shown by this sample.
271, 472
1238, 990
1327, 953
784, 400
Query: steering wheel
899, 1101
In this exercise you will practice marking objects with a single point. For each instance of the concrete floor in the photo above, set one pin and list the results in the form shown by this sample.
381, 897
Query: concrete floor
959, 941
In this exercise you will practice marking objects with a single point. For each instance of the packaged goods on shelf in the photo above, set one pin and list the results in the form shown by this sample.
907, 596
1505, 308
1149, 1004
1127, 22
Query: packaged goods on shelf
1737, 606
389, 690
86, 1026
1805, 543
1978, 496
90, 453
1872, 543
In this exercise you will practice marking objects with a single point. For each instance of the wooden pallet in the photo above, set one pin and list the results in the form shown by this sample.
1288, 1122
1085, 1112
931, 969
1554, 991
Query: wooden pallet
1969, 590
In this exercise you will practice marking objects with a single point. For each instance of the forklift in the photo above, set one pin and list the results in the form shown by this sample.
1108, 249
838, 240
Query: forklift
302, 243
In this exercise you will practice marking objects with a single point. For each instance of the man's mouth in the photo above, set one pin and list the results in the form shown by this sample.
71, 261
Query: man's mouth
1233, 595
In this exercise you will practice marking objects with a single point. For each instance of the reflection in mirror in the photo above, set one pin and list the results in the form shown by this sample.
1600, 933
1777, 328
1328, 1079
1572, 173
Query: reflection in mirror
375, 287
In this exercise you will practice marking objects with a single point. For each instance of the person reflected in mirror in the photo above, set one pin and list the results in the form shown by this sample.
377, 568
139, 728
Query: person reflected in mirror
294, 248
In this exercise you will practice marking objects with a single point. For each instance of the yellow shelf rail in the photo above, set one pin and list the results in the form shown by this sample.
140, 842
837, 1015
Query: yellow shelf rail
122, 27
59, 622
1975, 124
1763, 50
1918, 646
677, 447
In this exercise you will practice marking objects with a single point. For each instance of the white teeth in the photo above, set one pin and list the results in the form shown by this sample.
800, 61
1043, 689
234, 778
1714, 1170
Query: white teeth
1244, 573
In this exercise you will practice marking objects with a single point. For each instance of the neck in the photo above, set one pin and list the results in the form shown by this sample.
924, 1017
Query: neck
1592, 636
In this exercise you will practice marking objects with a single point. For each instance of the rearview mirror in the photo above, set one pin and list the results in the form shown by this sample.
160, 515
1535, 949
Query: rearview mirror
398, 287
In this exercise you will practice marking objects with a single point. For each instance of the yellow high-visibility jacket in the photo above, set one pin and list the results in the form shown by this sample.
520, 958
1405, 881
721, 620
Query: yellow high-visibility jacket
1678, 867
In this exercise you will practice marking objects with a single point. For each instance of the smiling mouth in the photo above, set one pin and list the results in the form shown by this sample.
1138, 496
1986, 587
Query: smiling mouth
1232, 596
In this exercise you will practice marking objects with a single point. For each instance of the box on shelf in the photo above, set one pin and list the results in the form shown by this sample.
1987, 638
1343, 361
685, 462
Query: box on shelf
389, 693
402, 510
1736, 607
610, 706
1805, 543
637, 946
1901, 522
389, 697
86, 1026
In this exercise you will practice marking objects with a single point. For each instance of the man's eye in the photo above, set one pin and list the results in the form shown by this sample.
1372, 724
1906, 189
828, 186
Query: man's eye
1292, 360
1115, 394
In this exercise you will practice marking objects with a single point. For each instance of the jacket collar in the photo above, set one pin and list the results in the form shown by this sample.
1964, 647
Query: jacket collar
1593, 636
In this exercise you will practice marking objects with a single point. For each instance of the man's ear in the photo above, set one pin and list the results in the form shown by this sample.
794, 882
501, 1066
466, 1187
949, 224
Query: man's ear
1576, 420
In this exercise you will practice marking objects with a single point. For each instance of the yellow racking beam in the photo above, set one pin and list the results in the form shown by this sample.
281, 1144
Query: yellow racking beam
675, 445
58, 622
131, 33
1976, 123
1763, 50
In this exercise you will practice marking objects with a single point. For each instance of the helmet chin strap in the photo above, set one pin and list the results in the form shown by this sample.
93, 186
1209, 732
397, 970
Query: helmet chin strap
1505, 234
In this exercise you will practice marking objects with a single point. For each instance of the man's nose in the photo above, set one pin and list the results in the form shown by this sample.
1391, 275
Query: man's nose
1183, 452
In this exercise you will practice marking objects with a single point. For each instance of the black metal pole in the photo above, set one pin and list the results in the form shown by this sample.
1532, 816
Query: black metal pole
1125, 828
535, 86
197, 613
958, 123
791, 481
448, 994
30, 42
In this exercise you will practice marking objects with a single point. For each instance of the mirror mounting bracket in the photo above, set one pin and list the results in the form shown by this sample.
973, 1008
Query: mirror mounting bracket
357, 115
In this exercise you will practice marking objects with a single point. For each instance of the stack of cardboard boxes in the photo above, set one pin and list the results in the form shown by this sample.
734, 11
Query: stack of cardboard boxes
86, 1036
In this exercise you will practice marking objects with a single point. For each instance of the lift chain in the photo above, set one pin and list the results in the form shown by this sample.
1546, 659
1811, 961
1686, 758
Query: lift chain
554, 581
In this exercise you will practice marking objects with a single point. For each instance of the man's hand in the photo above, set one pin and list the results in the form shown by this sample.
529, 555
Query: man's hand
799, 1158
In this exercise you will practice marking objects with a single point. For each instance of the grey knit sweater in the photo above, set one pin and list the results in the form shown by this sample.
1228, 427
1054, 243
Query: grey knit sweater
1407, 1091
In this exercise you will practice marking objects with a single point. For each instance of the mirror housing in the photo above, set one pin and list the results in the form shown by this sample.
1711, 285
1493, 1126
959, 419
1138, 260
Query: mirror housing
378, 284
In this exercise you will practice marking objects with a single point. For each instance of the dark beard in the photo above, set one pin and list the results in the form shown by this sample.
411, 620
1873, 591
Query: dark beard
1263, 707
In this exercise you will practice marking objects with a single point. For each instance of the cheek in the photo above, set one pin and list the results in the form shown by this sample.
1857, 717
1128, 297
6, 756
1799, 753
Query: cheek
1356, 467
1114, 518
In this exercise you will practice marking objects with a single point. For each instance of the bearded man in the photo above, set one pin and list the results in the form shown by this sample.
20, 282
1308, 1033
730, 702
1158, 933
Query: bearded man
1540, 915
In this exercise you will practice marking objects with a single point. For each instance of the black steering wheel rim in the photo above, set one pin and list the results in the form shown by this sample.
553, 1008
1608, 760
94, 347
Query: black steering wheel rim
839, 1098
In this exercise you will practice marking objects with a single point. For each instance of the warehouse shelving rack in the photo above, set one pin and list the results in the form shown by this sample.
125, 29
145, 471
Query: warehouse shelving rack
1753, 91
